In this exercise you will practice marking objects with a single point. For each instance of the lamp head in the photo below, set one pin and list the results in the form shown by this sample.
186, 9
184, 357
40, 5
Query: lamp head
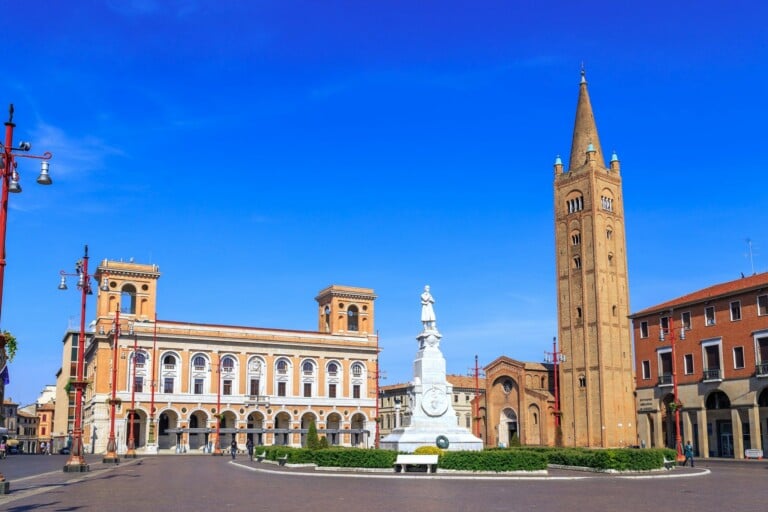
44, 178
24, 146
14, 186
63, 283
104, 285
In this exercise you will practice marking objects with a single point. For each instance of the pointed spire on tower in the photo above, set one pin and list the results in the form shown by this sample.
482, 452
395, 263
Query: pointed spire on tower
584, 130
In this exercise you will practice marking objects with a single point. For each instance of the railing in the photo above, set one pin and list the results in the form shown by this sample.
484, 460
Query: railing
665, 380
761, 369
169, 367
712, 374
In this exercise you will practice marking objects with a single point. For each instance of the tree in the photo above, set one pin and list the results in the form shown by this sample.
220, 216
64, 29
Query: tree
313, 443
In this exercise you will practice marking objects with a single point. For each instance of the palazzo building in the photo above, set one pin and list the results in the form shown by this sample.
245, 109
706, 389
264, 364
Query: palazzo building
184, 377
714, 343
596, 377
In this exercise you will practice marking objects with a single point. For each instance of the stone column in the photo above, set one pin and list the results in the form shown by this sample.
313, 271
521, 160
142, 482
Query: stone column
703, 440
658, 430
754, 428
738, 437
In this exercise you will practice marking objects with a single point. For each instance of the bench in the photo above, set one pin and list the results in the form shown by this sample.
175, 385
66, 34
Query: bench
261, 456
282, 460
669, 464
427, 461
752, 453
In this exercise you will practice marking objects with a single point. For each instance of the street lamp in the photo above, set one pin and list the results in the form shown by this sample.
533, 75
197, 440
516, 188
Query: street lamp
151, 438
76, 462
556, 358
217, 444
111, 455
669, 333
477, 373
10, 179
131, 452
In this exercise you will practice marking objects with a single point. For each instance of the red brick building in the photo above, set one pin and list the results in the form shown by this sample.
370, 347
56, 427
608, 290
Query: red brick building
719, 338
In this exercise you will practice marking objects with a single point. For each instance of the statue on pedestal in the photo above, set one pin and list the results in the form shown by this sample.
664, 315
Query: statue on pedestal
428, 311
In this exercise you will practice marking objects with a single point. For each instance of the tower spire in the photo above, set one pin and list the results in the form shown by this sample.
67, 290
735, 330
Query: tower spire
584, 130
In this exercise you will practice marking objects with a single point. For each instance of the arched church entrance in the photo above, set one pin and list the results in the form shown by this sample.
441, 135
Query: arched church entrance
508, 428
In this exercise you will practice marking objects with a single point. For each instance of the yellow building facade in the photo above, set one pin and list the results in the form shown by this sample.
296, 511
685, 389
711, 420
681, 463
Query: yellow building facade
189, 381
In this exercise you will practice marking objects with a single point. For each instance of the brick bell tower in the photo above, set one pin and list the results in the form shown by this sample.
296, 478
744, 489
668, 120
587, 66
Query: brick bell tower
597, 379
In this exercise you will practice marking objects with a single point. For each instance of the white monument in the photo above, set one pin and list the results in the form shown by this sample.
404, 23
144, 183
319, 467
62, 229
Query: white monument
433, 419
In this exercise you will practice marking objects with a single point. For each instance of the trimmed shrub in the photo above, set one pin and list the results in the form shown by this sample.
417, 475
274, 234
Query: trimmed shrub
355, 458
494, 460
323, 443
313, 443
428, 450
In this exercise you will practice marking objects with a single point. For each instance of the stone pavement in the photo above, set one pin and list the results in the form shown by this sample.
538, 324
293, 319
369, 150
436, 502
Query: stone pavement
216, 483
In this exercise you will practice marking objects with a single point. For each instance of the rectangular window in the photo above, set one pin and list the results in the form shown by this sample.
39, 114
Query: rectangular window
455, 399
646, 370
307, 389
735, 311
665, 367
254, 387
281, 389
139, 384
199, 386
664, 323
331, 390
227, 388
356, 391
688, 359
643, 329
709, 315
168, 385
685, 319
738, 357
42, 431
762, 305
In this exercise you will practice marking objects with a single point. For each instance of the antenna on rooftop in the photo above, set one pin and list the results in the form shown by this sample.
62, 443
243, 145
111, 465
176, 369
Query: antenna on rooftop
750, 254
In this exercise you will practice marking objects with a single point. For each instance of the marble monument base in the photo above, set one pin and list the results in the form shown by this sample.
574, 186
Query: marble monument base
407, 439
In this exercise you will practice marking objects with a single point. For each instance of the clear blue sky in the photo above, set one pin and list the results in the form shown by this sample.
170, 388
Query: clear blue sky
260, 151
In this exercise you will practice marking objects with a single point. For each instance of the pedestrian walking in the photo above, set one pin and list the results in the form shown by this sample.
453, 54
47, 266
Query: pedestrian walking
233, 447
249, 447
688, 452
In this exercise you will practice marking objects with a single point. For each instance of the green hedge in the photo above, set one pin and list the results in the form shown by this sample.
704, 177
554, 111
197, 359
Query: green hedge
494, 460
355, 458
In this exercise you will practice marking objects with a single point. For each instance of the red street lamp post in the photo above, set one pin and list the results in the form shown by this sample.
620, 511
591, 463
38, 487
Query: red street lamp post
217, 445
10, 183
670, 333
555, 357
76, 462
111, 455
131, 452
151, 439
476, 373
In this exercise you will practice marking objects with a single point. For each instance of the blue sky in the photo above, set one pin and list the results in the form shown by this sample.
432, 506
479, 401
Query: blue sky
260, 151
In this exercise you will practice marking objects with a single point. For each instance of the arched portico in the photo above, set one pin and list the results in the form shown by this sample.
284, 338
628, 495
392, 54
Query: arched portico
306, 420
167, 420
255, 421
282, 424
332, 427
357, 425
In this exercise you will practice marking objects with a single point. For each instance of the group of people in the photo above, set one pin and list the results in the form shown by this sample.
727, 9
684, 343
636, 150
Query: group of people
248, 447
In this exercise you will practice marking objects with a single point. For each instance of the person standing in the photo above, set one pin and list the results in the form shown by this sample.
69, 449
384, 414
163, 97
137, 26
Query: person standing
249, 447
233, 448
688, 452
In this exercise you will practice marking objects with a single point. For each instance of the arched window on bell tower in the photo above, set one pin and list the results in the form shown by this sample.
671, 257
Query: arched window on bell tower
128, 299
353, 317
